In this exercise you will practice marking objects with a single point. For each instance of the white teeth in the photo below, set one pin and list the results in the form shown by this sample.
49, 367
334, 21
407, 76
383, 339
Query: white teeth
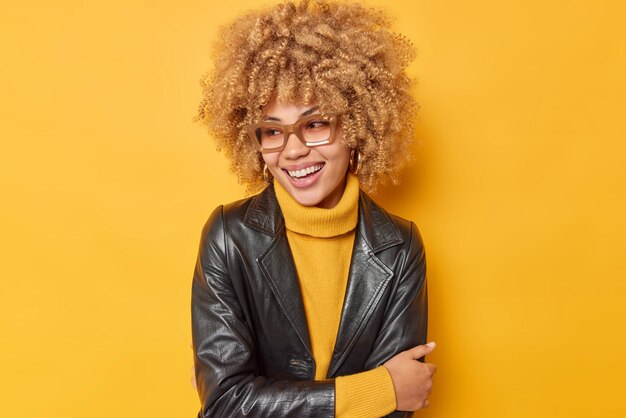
305, 171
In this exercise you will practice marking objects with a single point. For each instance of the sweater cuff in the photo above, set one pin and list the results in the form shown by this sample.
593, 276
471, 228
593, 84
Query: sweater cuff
365, 394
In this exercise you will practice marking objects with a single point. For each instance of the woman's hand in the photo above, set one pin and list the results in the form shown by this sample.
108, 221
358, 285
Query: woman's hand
412, 379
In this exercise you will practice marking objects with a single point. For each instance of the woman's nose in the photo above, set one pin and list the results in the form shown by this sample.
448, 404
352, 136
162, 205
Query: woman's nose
294, 148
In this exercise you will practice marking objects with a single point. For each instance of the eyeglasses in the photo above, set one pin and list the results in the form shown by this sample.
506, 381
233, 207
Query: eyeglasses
311, 130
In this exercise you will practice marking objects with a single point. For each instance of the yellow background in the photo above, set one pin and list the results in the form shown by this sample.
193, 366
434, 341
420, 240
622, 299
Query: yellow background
519, 194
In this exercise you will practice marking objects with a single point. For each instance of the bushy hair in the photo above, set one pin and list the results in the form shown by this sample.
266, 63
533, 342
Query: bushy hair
341, 56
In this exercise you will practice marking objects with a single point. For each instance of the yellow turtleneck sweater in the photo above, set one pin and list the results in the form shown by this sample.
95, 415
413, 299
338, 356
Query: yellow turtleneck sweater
321, 242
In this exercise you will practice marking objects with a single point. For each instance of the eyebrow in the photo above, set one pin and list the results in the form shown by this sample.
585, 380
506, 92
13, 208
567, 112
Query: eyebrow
305, 113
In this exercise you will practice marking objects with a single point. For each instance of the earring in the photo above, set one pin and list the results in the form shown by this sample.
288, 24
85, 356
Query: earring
267, 175
355, 163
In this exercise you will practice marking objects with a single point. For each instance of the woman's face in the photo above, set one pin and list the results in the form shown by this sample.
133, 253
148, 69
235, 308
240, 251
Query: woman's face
324, 186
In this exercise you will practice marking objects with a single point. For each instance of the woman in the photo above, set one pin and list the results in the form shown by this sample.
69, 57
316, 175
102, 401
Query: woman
309, 299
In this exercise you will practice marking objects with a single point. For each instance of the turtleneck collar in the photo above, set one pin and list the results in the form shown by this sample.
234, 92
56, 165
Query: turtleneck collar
320, 222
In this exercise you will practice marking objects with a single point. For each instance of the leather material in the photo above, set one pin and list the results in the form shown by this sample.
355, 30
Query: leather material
251, 341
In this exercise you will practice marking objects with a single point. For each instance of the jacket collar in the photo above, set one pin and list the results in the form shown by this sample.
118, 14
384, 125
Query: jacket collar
264, 214
368, 276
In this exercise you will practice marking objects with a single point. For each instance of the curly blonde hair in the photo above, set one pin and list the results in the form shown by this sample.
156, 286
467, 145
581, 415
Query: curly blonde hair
341, 56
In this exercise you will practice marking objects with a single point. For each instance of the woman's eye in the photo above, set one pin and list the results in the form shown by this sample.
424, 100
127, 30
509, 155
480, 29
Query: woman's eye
317, 124
271, 132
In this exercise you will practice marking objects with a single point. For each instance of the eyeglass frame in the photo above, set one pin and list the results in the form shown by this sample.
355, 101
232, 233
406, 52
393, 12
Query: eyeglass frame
294, 128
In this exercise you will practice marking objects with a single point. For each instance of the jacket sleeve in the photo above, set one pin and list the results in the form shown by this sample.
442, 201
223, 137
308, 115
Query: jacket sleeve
227, 373
406, 318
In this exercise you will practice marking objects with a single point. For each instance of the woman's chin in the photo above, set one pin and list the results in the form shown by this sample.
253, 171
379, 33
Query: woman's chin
314, 197
305, 198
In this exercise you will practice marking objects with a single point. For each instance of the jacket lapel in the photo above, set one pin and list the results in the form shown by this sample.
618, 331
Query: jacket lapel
279, 270
276, 262
368, 277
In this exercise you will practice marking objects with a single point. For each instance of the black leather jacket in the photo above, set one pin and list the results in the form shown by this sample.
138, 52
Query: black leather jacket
250, 337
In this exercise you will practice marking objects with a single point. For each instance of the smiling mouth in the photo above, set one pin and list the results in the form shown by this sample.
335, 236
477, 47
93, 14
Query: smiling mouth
305, 172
